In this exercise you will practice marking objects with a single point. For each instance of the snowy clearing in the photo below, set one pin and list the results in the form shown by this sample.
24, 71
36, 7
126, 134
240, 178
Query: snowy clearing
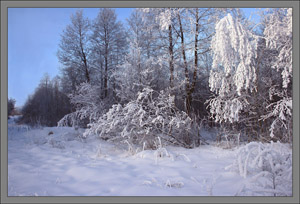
58, 162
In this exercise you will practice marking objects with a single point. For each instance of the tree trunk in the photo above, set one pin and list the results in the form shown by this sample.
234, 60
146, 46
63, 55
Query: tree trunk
185, 62
106, 66
171, 61
87, 75
190, 91
190, 87
105, 77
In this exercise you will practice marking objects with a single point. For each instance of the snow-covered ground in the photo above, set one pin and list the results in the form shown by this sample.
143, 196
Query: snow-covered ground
64, 164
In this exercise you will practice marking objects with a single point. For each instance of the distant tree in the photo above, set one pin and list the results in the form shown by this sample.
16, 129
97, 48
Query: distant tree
47, 105
10, 106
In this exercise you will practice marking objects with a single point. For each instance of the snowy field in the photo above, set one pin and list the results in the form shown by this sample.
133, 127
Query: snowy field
64, 164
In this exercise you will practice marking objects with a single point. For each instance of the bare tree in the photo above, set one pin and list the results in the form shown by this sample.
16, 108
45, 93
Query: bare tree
194, 29
73, 51
109, 42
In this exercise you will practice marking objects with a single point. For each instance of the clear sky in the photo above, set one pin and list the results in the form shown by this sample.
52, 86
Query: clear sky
33, 38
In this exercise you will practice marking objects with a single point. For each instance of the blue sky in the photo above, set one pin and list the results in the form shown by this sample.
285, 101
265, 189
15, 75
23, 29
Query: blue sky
33, 38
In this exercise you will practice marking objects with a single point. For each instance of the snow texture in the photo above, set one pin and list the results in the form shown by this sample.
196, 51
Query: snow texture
66, 164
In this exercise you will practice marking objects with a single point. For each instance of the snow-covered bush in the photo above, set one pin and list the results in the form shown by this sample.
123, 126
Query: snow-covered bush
268, 167
281, 112
142, 120
89, 107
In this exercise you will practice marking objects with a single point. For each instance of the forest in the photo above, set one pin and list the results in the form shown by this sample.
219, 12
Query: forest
169, 77
171, 72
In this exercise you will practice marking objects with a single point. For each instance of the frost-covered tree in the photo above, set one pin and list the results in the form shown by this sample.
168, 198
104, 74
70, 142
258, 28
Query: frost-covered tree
134, 74
129, 76
144, 63
245, 75
278, 34
233, 75
201, 30
166, 20
163, 20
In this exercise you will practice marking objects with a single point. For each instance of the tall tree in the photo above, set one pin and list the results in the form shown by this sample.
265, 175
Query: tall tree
109, 41
164, 19
200, 23
278, 34
74, 51
194, 29
144, 62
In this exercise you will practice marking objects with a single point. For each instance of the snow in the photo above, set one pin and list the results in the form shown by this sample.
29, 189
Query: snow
66, 164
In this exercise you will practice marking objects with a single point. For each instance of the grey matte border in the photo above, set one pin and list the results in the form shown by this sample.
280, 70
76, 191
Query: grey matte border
135, 4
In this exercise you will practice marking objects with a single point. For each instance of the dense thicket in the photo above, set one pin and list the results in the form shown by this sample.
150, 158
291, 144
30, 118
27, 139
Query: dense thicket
220, 68
47, 105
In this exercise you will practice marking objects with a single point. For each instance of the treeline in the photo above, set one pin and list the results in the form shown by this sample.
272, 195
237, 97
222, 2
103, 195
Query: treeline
47, 105
177, 67
11, 109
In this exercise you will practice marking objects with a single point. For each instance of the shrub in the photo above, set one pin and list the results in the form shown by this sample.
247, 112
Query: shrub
140, 121
269, 167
